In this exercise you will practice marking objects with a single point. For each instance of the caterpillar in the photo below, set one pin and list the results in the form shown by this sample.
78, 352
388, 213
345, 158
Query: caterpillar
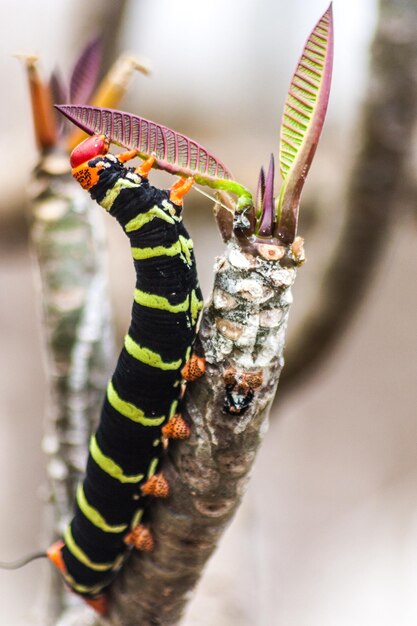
140, 410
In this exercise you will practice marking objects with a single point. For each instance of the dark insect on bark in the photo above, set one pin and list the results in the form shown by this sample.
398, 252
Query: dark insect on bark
237, 403
240, 389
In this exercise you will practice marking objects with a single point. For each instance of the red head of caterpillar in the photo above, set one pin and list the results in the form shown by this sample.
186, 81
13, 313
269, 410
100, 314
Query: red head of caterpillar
83, 172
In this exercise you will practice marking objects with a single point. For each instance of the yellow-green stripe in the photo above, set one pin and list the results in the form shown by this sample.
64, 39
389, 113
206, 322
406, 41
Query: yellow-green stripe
173, 408
129, 410
81, 556
136, 519
152, 467
186, 246
109, 466
153, 301
196, 306
144, 218
148, 253
181, 247
149, 357
94, 516
94, 589
111, 195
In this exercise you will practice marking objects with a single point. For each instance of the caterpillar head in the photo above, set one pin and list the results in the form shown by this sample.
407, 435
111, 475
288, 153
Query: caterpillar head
92, 147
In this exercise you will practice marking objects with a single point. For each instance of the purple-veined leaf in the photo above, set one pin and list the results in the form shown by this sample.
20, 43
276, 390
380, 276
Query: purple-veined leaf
303, 119
266, 219
85, 73
175, 153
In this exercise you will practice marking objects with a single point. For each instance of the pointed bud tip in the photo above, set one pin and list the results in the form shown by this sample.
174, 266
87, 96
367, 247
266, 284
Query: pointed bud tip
267, 218
260, 192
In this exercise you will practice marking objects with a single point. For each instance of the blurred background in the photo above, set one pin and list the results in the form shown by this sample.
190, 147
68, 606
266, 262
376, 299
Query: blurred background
327, 533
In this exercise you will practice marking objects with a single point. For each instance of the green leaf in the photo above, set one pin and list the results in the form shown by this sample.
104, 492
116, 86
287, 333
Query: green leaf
302, 121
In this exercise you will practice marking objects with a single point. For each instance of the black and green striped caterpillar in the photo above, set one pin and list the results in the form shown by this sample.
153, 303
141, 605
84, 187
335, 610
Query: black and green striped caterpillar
140, 408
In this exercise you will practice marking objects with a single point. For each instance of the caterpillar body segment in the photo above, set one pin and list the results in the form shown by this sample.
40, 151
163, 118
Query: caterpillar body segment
54, 553
143, 394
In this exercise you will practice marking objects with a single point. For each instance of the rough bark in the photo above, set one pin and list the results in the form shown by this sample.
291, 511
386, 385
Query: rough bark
377, 190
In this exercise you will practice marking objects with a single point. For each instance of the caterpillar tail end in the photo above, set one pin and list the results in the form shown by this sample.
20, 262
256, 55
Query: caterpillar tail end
176, 428
156, 486
194, 368
54, 554
179, 189
140, 538
99, 603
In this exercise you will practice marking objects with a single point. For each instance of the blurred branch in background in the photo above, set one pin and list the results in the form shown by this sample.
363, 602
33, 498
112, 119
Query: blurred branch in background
378, 191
